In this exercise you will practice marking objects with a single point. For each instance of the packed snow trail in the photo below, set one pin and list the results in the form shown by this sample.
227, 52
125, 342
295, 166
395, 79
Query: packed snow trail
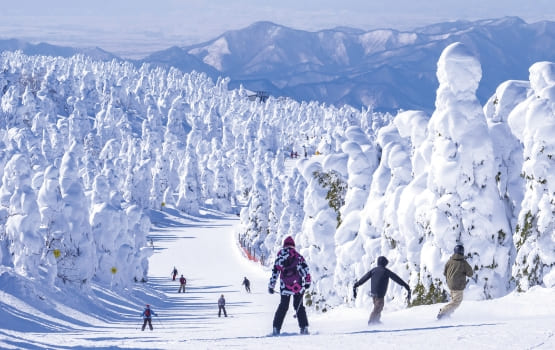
204, 250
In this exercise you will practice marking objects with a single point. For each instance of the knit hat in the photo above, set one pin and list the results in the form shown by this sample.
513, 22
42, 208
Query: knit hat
289, 242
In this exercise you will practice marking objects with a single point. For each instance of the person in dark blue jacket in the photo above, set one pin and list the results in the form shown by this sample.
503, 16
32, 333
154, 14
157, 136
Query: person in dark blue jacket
379, 276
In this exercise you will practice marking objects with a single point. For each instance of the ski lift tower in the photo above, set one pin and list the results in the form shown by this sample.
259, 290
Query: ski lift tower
262, 96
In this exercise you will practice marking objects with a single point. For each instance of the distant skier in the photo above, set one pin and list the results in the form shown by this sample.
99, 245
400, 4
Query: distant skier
182, 283
147, 317
380, 276
294, 280
174, 273
456, 270
221, 306
247, 284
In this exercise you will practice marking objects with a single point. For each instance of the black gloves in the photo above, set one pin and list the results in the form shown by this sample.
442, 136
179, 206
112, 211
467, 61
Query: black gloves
271, 290
306, 286
355, 292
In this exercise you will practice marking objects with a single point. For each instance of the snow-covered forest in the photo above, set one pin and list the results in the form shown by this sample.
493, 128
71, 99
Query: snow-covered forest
89, 148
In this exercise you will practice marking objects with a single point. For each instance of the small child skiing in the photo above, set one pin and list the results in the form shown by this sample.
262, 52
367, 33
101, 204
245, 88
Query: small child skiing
147, 317
174, 273
247, 285
182, 283
221, 306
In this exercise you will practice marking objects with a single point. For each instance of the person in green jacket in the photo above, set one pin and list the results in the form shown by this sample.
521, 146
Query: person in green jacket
456, 271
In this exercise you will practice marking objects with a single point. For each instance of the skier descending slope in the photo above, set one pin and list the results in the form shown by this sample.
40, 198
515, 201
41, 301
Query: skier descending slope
147, 317
247, 285
294, 280
461, 200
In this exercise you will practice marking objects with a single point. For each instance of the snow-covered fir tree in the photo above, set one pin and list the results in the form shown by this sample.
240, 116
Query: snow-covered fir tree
532, 122
89, 148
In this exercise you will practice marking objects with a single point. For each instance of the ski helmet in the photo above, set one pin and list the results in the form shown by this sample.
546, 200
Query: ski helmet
459, 249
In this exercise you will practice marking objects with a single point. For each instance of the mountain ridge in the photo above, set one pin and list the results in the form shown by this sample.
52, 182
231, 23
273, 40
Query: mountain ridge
47, 49
365, 68
385, 69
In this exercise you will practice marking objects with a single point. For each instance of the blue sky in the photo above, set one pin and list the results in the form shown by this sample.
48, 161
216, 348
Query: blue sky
109, 23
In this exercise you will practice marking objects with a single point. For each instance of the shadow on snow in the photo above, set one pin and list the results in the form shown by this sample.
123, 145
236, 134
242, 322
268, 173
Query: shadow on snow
433, 328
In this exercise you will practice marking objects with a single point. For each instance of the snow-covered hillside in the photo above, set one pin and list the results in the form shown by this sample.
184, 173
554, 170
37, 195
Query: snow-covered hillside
90, 149
422, 184
203, 249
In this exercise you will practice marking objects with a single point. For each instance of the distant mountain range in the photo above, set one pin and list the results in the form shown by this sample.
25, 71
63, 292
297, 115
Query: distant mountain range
386, 69
54, 50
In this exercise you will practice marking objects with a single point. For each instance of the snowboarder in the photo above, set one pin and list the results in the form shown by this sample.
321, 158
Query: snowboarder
174, 273
247, 284
182, 283
380, 276
294, 280
221, 306
456, 270
147, 317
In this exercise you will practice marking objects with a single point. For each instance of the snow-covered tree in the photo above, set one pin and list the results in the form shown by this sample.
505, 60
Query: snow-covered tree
222, 192
78, 248
53, 221
532, 122
189, 200
254, 217
22, 225
463, 204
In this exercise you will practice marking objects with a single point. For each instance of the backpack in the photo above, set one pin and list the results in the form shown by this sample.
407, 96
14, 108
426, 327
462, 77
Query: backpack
147, 313
290, 275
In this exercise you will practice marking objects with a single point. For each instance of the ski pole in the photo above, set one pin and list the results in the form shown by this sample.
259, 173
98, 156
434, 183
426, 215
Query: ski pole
160, 322
298, 307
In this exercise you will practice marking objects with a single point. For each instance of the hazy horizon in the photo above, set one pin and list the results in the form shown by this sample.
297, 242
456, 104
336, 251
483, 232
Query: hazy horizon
136, 28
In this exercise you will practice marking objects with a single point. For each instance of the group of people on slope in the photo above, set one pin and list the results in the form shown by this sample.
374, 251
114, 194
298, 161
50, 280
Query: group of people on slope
294, 279
456, 271
148, 312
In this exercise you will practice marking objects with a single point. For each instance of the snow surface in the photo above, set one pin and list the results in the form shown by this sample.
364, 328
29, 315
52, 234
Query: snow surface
203, 248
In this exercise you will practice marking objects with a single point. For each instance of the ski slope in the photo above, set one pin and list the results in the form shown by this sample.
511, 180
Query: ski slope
204, 250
